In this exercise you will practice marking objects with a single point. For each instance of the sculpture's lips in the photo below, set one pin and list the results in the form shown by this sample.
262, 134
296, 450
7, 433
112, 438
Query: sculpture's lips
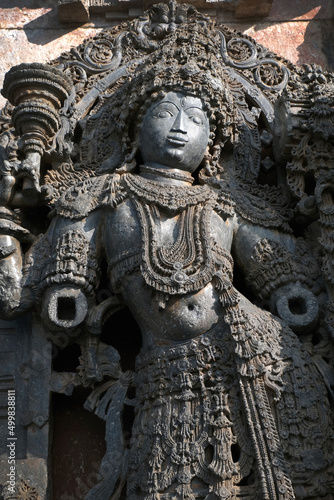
176, 140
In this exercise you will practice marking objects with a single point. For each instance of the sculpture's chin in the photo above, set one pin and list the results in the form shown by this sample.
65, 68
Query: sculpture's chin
174, 155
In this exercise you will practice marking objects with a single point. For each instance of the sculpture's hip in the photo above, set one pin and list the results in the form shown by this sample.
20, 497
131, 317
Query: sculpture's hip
205, 430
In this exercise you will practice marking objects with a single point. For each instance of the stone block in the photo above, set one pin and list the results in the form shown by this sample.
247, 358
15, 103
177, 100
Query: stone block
27, 4
300, 42
70, 11
253, 8
16, 18
285, 10
42, 46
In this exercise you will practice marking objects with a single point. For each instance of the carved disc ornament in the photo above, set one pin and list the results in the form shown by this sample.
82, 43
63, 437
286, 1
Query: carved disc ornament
191, 168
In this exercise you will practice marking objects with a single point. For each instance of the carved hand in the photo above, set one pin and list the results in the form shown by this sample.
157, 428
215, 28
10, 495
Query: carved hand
30, 171
19, 182
7, 182
14, 298
297, 306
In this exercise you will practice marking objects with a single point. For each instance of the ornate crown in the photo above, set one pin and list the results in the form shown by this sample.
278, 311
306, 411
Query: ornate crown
189, 60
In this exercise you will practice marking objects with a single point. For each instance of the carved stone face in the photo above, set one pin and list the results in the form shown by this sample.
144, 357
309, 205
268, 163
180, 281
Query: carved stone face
175, 132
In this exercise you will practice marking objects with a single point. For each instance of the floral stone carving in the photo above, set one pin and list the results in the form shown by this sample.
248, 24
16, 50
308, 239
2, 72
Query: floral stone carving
193, 168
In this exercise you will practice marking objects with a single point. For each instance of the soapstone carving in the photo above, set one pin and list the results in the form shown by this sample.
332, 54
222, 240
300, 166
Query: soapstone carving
192, 168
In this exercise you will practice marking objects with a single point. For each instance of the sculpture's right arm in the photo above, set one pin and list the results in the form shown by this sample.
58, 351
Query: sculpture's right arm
71, 273
60, 268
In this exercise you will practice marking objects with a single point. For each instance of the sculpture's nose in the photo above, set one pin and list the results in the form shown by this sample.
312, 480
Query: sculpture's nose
179, 124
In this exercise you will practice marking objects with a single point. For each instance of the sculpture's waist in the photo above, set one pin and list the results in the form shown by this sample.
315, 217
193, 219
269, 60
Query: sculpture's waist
188, 366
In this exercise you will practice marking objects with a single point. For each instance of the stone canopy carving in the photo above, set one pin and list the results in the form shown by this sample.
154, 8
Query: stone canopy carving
167, 151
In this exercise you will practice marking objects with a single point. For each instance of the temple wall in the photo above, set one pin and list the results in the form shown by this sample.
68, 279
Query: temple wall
300, 30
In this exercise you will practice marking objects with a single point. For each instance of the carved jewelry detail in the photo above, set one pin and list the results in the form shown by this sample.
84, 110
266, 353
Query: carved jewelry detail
188, 263
272, 266
73, 263
168, 173
174, 198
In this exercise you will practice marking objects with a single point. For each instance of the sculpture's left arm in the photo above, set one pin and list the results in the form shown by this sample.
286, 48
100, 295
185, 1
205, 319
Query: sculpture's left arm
272, 270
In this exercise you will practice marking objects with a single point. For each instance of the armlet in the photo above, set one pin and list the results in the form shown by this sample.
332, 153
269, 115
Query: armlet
271, 266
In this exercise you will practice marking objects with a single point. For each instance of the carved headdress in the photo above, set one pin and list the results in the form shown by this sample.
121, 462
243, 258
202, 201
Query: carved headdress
189, 60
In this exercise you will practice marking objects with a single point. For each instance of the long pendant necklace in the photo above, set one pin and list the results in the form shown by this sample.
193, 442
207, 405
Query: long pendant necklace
187, 264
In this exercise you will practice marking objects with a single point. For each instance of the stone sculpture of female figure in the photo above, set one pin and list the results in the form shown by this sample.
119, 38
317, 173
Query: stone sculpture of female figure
228, 404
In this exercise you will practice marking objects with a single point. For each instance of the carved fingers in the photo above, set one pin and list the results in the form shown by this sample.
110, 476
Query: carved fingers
20, 182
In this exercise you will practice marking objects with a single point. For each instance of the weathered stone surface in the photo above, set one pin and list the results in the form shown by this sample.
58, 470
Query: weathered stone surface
253, 8
285, 10
305, 44
25, 18
36, 45
122, 9
181, 148
308, 38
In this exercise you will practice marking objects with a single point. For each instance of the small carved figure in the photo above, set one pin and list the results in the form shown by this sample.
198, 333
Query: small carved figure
229, 403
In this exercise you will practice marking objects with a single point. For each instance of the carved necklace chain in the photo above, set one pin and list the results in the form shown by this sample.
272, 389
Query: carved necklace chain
185, 253
187, 264
169, 197
168, 173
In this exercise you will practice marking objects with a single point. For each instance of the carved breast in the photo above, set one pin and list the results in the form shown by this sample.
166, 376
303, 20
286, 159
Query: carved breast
169, 317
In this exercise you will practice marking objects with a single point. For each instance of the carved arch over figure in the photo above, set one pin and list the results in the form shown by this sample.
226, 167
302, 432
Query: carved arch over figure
74, 149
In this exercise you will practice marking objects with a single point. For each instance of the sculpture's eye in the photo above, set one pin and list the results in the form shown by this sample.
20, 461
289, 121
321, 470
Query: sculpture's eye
196, 119
163, 113
196, 116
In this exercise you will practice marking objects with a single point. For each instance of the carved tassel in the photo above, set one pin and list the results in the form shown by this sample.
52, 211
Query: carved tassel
228, 295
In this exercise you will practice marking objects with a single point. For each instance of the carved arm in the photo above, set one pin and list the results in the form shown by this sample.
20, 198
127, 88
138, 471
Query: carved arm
15, 299
71, 274
274, 274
